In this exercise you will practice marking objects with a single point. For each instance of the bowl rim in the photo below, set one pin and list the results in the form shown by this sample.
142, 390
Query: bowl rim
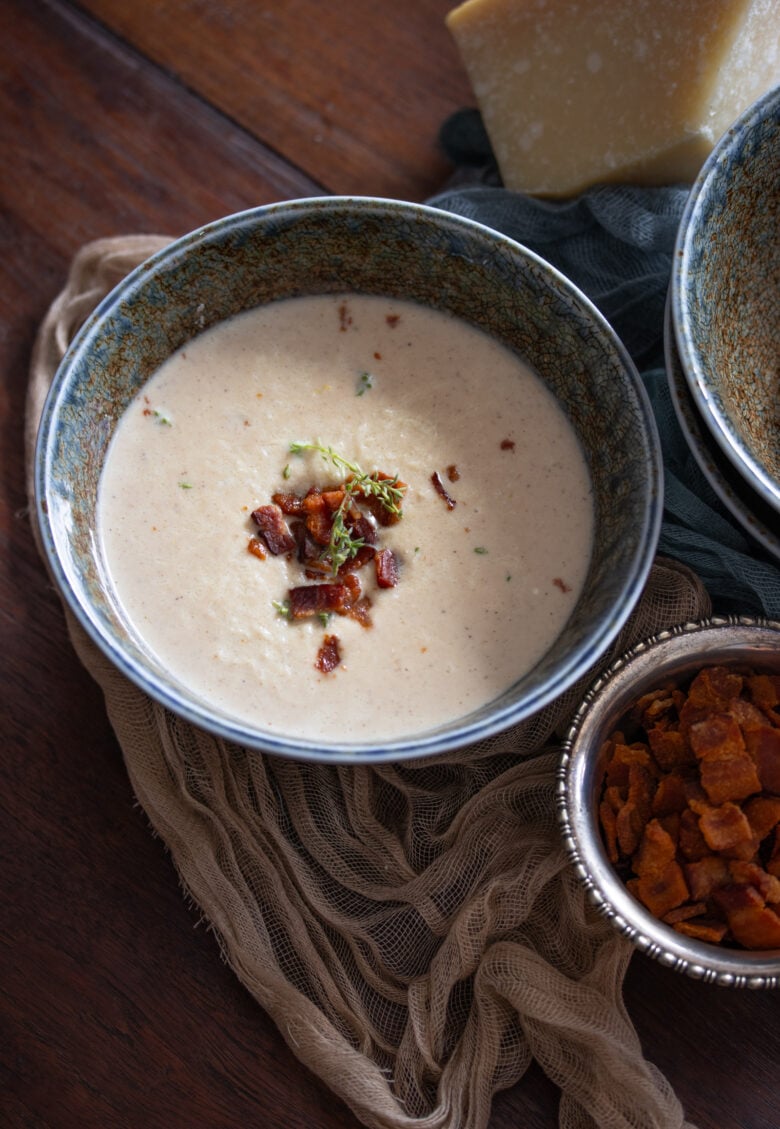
661, 655
170, 694
734, 492
708, 403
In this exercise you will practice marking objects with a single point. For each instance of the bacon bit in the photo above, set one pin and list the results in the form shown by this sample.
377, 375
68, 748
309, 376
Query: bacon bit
319, 525
750, 920
764, 747
255, 547
360, 526
273, 529
313, 599
290, 504
377, 356
365, 554
392, 320
328, 656
345, 318
702, 930
507, 444
453, 473
564, 587
360, 611
438, 486
386, 566
670, 748
685, 912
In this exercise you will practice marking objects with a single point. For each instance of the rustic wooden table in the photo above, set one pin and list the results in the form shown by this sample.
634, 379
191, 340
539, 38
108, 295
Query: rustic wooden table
158, 116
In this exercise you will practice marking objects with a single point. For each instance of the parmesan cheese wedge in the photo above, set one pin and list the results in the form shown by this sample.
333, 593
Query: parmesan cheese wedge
577, 92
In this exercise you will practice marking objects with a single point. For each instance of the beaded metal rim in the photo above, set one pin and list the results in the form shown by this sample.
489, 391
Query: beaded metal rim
677, 651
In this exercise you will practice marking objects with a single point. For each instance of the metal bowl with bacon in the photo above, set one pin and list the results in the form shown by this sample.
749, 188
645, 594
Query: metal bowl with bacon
669, 799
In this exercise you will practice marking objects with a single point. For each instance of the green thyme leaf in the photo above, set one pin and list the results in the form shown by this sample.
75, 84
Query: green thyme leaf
365, 383
283, 608
286, 472
481, 550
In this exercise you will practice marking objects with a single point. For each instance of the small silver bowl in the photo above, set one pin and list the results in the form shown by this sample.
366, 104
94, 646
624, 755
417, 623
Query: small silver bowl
675, 654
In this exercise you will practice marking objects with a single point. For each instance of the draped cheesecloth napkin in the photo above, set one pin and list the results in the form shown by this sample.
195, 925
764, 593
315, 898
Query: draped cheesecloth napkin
414, 929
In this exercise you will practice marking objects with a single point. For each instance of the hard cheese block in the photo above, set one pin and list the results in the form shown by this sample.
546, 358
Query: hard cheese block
576, 92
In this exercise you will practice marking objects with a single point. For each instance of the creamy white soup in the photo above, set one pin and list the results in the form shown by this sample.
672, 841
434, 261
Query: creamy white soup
483, 586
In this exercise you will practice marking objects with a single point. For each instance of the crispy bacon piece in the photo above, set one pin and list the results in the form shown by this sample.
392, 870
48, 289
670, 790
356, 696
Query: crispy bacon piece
328, 656
290, 504
670, 795
507, 444
440, 489
322, 501
773, 863
685, 912
609, 828
728, 778
386, 565
453, 474
702, 929
313, 599
670, 748
751, 874
364, 554
274, 529
319, 524
706, 875
656, 850
256, 548
763, 815
714, 687
622, 758
746, 715
692, 844
661, 891
764, 747
763, 691
750, 920
725, 826
360, 526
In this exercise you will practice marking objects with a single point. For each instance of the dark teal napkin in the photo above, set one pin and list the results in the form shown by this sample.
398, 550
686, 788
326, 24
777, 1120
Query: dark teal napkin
616, 242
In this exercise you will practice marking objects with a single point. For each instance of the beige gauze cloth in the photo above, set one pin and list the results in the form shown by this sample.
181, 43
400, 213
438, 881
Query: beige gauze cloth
414, 929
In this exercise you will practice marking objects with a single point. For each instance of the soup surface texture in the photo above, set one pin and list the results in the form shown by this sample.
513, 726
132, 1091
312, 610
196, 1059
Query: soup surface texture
484, 587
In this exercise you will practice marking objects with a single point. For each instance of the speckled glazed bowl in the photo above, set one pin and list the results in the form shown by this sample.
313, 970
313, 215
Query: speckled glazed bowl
406, 251
674, 655
754, 515
725, 294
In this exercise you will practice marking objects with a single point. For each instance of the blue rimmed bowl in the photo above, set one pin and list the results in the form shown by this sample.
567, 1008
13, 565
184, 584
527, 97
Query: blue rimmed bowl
725, 296
337, 245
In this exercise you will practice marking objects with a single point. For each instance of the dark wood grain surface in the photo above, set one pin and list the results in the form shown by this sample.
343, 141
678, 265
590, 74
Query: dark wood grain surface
115, 1007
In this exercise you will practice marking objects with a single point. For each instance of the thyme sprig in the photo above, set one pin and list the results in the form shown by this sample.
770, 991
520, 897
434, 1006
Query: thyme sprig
343, 546
387, 490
